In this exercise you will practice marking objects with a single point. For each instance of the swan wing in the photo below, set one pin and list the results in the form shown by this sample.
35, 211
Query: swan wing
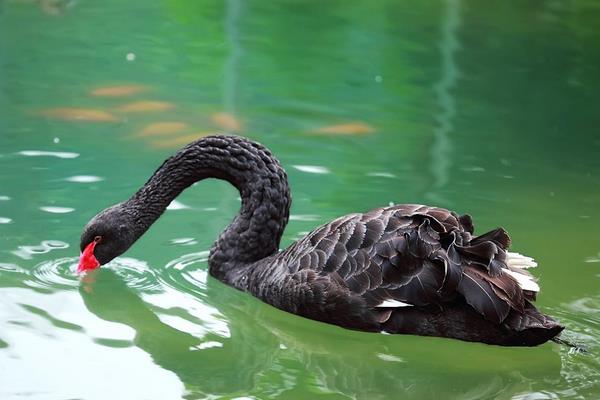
413, 255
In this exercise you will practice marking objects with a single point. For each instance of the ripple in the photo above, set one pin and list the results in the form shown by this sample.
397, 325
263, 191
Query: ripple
188, 259
57, 210
39, 153
176, 205
61, 273
473, 168
389, 358
27, 252
588, 306
304, 217
136, 273
54, 274
582, 318
184, 241
381, 174
178, 275
9, 267
84, 179
207, 345
312, 169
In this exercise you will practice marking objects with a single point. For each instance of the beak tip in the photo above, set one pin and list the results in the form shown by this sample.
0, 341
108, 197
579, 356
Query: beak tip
87, 260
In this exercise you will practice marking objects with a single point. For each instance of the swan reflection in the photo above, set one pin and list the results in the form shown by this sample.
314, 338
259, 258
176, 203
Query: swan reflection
225, 342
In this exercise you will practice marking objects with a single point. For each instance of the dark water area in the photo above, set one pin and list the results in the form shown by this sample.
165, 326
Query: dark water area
487, 108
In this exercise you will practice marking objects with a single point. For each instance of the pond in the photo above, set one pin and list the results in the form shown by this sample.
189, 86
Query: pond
487, 108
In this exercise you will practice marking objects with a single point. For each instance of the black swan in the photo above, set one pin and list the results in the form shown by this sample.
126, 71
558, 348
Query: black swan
409, 269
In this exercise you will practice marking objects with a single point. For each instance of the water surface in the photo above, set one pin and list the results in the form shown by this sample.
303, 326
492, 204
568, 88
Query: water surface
487, 108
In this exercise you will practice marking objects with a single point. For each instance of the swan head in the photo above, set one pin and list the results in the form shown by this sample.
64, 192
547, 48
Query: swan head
106, 236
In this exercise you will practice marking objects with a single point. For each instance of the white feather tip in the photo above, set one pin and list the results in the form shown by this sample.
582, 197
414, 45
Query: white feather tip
526, 282
393, 303
516, 260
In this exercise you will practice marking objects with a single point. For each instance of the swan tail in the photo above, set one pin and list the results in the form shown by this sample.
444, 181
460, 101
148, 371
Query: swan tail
495, 293
532, 327
461, 321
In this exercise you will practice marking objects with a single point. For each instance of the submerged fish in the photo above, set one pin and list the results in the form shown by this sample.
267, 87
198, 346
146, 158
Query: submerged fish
145, 106
350, 128
163, 128
226, 121
78, 114
118, 91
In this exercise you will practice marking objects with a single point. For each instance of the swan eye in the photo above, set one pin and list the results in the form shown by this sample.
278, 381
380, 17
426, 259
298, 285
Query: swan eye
98, 239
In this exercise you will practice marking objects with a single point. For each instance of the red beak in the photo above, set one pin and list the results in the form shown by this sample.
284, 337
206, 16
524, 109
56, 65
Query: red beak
88, 261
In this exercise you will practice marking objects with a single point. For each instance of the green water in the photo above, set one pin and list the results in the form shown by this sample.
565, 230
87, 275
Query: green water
489, 108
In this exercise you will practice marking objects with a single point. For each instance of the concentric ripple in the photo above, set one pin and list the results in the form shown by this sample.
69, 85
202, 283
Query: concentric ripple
54, 274
9, 267
136, 273
184, 273
61, 273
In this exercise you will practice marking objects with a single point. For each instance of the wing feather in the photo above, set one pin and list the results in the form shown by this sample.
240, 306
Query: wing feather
479, 294
416, 255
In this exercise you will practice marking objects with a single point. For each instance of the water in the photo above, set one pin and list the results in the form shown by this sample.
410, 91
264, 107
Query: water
486, 108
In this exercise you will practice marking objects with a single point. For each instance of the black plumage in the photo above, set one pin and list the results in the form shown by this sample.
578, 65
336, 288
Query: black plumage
351, 272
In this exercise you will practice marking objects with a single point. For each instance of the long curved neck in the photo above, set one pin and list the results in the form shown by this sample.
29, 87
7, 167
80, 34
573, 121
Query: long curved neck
256, 231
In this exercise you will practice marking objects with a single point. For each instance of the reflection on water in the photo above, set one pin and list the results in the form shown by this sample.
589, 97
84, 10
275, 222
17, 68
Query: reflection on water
76, 362
195, 327
487, 108
214, 359
203, 369
442, 147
